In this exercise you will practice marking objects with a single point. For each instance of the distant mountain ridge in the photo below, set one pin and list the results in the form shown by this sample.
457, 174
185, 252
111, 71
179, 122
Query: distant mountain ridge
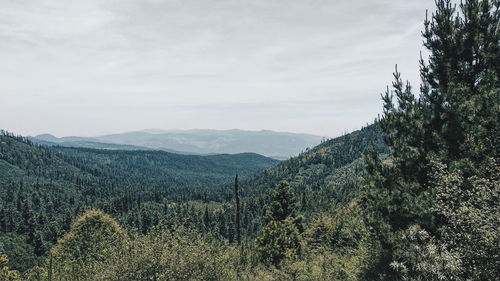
81, 142
279, 145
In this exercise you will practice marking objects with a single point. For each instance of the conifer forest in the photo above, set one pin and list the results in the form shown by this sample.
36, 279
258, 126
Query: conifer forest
414, 195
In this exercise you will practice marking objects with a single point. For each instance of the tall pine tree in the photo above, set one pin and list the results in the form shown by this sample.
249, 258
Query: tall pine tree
238, 211
453, 121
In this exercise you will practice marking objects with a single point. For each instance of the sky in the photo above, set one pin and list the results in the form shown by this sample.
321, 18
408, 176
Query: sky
95, 67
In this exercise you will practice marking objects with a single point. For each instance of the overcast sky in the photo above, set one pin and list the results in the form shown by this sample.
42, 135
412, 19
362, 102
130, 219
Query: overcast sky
100, 66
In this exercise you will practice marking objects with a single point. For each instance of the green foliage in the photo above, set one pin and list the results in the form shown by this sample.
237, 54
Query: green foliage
279, 240
327, 175
20, 252
424, 258
348, 230
97, 248
454, 121
317, 266
128, 168
346, 237
179, 254
183, 254
339, 247
42, 190
391, 201
283, 203
90, 240
471, 209
98, 181
5, 273
428, 209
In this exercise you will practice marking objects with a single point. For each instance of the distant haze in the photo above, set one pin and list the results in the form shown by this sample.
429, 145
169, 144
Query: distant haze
99, 66
268, 143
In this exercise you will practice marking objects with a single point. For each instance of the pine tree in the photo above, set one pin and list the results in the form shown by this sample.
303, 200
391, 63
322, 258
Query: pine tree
207, 221
238, 211
280, 238
283, 203
453, 121
38, 244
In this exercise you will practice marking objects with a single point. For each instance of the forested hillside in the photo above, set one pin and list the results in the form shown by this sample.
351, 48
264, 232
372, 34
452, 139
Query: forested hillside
414, 196
142, 189
42, 189
326, 175
90, 144
46, 187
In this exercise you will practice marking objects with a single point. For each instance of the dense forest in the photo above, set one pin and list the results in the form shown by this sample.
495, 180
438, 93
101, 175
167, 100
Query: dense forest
414, 196
44, 188
143, 189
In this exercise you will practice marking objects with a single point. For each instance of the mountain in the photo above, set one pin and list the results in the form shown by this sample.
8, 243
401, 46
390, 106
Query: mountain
52, 184
327, 175
42, 188
91, 144
277, 145
146, 167
53, 139
21, 159
83, 142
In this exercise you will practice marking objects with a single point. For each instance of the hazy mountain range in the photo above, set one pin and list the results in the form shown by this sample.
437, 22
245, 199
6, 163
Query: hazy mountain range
278, 145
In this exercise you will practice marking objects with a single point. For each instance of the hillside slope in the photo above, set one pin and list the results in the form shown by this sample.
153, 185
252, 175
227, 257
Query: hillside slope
327, 174
49, 185
164, 170
43, 188
89, 144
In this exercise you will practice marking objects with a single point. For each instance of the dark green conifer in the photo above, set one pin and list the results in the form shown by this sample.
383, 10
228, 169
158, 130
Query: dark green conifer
453, 120
280, 238
238, 211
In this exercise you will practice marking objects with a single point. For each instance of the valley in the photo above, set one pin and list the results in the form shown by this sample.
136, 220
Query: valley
412, 195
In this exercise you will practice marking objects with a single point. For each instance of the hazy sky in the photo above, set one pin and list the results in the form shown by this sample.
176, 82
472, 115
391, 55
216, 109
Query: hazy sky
100, 66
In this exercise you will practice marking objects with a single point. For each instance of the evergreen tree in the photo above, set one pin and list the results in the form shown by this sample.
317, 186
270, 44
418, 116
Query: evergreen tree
280, 238
237, 209
277, 241
38, 244
283, 203
471, 209
454, 121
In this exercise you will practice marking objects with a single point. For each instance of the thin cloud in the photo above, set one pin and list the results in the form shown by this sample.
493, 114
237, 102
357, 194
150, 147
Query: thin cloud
98, 64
